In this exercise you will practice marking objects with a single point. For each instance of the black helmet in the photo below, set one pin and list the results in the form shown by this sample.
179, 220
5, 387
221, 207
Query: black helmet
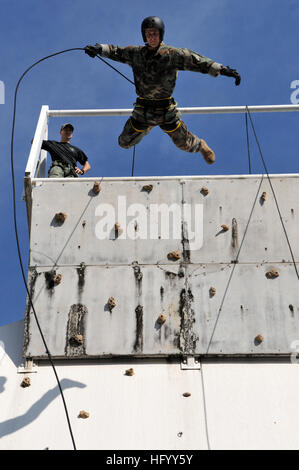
153, 22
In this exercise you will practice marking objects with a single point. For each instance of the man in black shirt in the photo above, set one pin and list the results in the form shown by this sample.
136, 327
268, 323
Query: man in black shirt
65, 156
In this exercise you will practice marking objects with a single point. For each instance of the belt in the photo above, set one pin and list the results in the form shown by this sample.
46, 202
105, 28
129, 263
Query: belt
160, 103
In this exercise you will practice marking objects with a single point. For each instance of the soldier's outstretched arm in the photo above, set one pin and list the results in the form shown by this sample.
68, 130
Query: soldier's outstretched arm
119, 54
185, 59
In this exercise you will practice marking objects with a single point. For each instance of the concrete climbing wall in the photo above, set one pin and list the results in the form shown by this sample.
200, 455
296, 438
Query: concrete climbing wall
163, 266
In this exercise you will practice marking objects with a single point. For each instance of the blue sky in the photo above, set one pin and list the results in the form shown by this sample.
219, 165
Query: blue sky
259, 38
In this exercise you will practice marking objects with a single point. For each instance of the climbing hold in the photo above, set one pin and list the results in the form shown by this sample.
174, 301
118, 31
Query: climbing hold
57, 279
186, 394
96, 187
147, 187
129, 372
224, 227
83, 414
272, 274
117, 228
259, 339
76, 340
204, 191
60, 217
174, 255
111, 303
52, 279
26, 382
264, 196
161, 319
212, 291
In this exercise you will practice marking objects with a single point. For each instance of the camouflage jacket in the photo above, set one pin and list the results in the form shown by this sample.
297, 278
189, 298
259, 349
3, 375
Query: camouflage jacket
155, 72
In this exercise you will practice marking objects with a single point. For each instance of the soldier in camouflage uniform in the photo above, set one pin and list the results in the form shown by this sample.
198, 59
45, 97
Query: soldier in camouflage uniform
155, 67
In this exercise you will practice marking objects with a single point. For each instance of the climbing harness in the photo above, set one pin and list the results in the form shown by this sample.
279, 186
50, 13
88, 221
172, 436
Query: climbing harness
155, 104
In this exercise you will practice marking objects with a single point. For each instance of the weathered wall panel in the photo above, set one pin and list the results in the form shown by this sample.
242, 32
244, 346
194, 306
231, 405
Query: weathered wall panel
196, 322
77, 239
133, 266
234, 198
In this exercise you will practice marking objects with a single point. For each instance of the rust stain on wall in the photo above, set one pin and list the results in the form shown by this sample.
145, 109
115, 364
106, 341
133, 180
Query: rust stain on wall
138, 346
32, 277
75, 329
188, 338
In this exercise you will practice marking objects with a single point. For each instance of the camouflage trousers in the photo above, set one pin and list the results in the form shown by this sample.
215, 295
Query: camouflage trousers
60, 169
168, 119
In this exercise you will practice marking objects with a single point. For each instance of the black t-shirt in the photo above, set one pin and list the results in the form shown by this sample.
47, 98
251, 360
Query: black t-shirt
65, 152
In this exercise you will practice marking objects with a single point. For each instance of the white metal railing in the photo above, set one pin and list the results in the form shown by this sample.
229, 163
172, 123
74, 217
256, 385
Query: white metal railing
37, 160
193, 110
36, 165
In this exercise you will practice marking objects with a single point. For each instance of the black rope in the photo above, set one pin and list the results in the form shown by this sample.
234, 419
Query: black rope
109, 65
129, 80
248, 146
15, 215
17, 235
273, 192
133, 162
234, 264
205, 405
246, 229
226, 290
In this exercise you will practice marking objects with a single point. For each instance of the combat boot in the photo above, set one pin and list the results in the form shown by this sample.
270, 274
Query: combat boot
206, 152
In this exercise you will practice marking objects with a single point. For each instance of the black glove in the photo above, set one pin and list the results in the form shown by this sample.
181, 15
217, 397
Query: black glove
228, 72
92, 51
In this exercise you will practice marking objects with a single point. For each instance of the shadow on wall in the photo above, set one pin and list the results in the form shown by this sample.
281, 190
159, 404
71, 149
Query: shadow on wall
11, 342
14, 424
2, 383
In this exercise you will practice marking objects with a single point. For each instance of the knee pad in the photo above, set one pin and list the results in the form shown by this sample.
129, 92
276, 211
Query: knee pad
171, 127
138, 126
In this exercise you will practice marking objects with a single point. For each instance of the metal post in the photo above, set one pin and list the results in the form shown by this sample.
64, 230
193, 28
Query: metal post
39, 135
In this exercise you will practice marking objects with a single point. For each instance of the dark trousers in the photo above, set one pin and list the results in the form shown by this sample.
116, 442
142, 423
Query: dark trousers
169, 120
